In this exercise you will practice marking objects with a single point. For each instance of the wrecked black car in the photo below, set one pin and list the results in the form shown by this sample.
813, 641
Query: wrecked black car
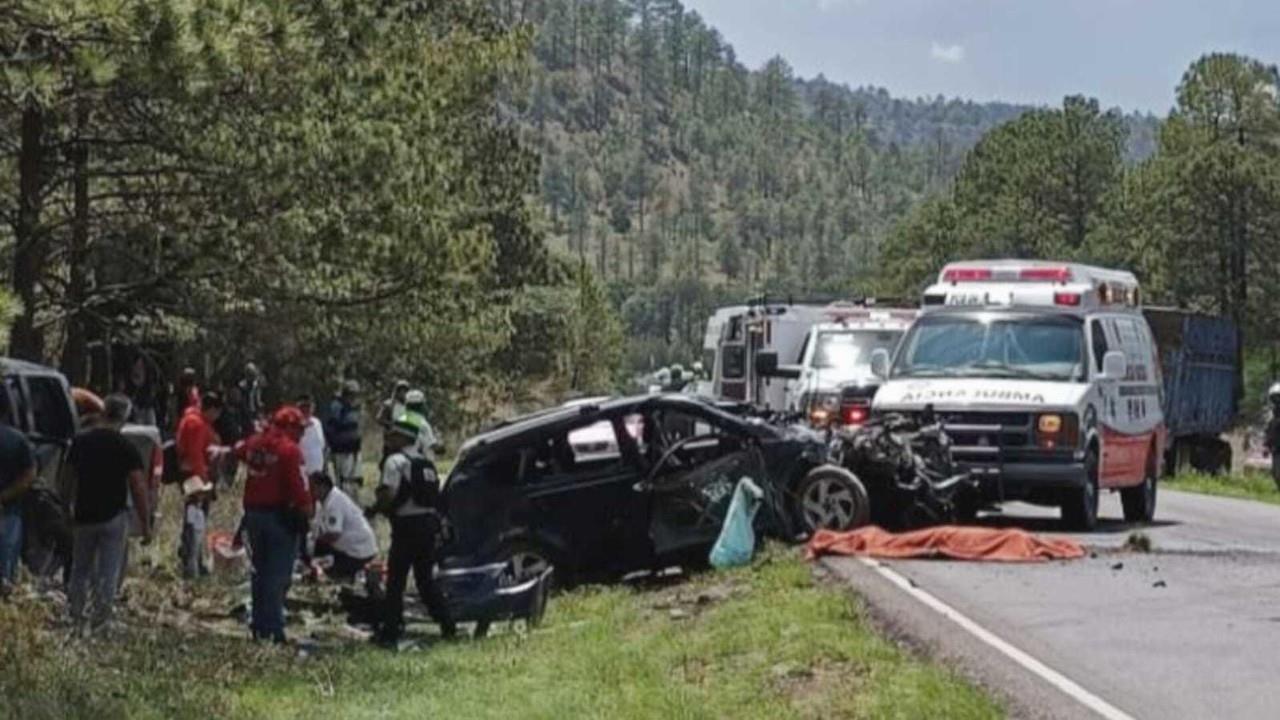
602, 489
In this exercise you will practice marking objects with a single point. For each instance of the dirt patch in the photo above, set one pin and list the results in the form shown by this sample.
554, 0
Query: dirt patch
810, 689
685, 602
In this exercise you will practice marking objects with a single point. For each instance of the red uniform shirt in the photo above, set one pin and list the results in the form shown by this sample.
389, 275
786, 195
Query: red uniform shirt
275, 472
195, 437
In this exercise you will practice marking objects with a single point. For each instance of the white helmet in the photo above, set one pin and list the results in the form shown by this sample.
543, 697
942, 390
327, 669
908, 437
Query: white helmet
1273, 393
415, 397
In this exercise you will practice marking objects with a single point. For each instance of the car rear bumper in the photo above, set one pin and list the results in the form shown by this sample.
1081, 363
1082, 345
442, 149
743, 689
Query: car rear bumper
477, 593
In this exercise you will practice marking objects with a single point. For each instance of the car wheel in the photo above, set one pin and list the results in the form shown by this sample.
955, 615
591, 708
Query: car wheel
1080, 508
832, 498
1140, 501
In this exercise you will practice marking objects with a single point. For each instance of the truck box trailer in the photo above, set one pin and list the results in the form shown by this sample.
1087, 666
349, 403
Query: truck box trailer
1199, 362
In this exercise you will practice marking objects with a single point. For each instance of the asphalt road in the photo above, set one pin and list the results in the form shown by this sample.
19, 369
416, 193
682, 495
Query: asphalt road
1189, 630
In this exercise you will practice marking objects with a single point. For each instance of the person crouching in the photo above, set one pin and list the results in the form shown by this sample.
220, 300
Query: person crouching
341, 532
277, 512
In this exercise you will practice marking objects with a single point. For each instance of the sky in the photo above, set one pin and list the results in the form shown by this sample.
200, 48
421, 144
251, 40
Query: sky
1127, 53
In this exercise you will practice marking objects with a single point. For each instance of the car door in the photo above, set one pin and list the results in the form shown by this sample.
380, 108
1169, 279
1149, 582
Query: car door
583, 501
699, 459
52, 425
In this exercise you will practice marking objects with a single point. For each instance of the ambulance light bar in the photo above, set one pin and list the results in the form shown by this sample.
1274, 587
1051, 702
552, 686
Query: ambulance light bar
1030, 274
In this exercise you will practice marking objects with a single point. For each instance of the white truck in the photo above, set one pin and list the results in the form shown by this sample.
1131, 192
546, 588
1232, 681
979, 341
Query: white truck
1047, 378
802, 358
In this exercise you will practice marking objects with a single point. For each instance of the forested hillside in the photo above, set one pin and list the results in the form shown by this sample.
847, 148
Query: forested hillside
686, 179
328, 188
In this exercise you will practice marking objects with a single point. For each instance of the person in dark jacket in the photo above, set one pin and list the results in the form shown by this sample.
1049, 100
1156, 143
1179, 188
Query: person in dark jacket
342, 433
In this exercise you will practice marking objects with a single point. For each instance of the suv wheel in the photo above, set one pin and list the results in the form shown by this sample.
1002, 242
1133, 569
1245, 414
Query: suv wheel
1080, 508
832, 498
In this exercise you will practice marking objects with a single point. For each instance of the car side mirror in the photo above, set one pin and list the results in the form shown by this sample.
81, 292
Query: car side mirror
767, 366
1114, 365
880, 363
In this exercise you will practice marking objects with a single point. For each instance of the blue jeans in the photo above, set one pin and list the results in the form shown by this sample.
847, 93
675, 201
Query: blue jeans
275, 549
10, 541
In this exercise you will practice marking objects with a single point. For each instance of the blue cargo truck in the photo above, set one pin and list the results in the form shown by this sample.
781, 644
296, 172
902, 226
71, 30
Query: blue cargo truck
1200, 362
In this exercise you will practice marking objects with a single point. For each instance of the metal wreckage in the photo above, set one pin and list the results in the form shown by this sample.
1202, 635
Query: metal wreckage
599, 490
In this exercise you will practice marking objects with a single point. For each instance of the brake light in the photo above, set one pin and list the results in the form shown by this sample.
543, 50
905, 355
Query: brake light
1068, 299
959, 275
854, 415
1057, 274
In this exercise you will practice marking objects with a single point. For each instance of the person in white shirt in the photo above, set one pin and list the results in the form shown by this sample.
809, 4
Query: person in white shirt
340, 530
312, 443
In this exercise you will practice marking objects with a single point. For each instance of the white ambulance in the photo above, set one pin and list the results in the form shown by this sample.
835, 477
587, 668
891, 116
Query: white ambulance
1047, 377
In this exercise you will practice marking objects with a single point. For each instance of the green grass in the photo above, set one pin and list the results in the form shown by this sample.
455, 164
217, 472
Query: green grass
766, 641
1249, 486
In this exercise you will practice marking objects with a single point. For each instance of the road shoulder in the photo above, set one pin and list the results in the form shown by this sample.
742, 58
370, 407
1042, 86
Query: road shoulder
922, 629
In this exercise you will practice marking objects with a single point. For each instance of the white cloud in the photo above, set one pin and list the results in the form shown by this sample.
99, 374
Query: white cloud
947, 53
825, 5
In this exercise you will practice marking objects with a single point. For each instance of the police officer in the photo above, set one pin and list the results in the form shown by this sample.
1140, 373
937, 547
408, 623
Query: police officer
415, 411
407, 494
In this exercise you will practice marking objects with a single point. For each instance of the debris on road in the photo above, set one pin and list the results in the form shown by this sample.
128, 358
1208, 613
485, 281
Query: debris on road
1138, 542
947, 541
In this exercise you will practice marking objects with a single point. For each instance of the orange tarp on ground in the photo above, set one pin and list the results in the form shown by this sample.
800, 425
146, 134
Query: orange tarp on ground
946, 541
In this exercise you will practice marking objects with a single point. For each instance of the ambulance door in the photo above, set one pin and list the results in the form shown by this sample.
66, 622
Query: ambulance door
1109, 405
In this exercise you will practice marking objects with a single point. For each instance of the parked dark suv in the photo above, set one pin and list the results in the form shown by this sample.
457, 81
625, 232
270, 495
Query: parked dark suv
36, 401
529, 494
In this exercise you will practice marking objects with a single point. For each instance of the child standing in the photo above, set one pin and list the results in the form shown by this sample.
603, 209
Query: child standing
196, 493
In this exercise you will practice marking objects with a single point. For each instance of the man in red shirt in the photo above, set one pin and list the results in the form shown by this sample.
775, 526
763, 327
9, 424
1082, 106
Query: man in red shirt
196, 435
195, 438
277, 511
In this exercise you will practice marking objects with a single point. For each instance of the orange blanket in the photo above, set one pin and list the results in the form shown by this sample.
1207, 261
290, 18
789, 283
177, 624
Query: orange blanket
946, 541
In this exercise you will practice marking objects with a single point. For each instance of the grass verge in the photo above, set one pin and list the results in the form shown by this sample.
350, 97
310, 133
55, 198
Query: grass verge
1249, 486
766, 641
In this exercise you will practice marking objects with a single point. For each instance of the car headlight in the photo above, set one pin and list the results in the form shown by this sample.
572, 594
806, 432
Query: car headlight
824, 408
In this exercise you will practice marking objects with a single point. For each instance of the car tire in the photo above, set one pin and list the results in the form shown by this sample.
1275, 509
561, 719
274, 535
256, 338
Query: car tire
1139, 502
1080, 507
831, 498
529, 557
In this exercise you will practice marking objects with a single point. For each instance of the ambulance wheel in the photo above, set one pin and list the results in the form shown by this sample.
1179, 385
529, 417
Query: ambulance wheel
1140, 501
832, 498
1080, 507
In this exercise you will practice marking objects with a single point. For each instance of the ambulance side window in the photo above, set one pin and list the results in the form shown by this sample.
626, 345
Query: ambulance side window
1099, 344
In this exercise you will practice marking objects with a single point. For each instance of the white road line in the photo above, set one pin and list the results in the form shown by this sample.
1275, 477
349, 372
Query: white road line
1029, 663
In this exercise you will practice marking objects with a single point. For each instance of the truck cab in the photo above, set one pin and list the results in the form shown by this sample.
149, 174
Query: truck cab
832, 382
1048, 381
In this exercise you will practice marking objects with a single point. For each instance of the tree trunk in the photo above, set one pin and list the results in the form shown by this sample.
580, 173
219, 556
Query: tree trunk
26, 341
75, 354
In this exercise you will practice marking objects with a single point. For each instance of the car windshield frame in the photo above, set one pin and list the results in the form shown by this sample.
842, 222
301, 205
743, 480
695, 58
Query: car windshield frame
988, 364
823, 341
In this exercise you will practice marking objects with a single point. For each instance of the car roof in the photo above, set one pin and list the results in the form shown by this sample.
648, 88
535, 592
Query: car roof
520, 429
13, 366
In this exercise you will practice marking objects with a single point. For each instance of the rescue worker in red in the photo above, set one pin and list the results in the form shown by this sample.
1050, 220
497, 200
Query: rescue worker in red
277, 511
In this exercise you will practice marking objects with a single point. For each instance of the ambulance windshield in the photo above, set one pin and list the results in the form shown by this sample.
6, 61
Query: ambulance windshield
994, 346
851, 349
